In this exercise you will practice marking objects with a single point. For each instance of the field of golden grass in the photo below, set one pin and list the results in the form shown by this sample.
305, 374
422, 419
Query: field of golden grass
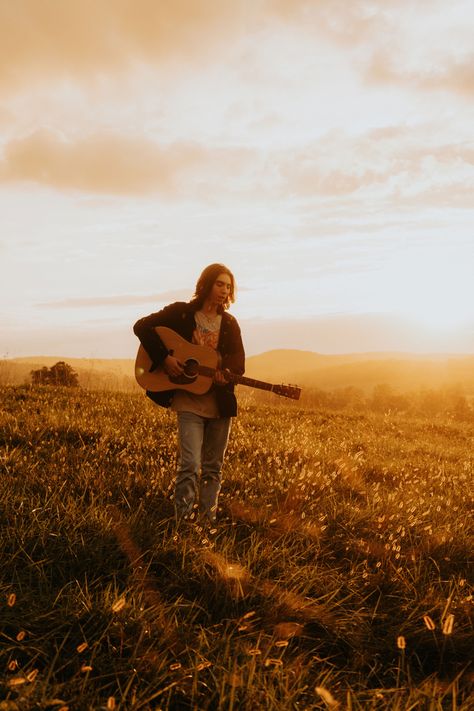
339, 575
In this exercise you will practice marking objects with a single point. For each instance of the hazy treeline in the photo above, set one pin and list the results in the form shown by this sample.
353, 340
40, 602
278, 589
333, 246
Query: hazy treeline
90, 378
383, 398
454, 401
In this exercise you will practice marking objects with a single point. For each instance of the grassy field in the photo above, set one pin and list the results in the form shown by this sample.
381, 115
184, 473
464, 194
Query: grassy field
338, 575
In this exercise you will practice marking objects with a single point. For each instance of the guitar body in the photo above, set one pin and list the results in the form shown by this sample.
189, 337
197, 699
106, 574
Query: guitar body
200, 363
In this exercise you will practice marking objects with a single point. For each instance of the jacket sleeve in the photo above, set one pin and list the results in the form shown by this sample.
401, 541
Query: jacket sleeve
144, 329
234, 356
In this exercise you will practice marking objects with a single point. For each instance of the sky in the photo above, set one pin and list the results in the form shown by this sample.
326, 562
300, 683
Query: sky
322, 149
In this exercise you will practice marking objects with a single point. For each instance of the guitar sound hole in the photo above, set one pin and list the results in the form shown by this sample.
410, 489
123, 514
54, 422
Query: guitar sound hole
191, 368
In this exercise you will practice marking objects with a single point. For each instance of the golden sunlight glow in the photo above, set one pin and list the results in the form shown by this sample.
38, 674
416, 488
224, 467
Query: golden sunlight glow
435, 288
331, 170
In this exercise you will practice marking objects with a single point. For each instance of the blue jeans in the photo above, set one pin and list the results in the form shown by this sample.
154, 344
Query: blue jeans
202, 442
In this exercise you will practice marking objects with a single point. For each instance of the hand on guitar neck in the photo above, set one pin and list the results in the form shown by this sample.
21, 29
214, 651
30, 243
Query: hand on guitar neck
220, 377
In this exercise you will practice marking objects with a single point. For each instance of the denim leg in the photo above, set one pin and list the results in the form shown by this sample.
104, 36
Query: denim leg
216, 436
190, 441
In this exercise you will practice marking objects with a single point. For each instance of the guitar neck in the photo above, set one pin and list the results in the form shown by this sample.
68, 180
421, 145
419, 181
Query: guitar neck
287, 391
251, 382
237, 379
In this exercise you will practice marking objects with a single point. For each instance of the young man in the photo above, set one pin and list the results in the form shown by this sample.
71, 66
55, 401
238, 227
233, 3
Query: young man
203, 420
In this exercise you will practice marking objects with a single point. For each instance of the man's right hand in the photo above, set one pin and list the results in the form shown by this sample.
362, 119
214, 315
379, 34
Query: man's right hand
172, 366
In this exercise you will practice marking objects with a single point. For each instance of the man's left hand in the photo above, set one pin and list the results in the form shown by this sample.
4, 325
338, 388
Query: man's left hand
219, 377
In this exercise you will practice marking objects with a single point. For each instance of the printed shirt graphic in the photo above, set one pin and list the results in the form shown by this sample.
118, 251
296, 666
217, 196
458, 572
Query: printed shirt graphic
207, 330
206, 333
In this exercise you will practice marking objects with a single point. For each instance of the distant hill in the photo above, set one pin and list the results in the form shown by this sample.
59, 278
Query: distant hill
403, 371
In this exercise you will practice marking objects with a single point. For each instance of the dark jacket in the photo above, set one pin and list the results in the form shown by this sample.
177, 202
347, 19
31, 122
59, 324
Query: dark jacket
180, 317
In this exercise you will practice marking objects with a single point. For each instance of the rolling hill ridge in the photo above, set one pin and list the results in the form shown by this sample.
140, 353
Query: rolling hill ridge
402, 371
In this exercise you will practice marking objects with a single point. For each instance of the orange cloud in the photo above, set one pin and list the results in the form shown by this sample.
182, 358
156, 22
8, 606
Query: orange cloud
7, 118
101, 163
396, 159
120, 300
86, 40
406, 164
107, 163
350, 23
333, 183
455, 76
369, 24
70, 38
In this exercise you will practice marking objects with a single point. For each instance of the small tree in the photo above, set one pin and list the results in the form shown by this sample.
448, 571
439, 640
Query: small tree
59, 374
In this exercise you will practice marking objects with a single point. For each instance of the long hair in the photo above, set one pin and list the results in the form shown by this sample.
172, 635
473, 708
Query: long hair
207, 280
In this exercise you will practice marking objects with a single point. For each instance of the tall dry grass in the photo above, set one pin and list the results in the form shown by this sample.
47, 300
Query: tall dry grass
339, 574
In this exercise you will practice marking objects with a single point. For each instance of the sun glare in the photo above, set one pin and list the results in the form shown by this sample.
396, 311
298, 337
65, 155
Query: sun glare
433, 288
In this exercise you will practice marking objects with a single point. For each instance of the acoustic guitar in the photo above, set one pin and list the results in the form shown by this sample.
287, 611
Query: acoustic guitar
200, 364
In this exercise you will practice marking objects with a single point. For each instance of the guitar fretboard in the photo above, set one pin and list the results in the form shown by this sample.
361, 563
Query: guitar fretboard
238, 379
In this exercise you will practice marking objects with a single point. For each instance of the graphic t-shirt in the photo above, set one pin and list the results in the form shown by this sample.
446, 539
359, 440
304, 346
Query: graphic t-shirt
206, 333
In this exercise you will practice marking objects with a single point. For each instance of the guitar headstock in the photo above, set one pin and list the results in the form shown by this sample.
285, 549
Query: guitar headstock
291, 391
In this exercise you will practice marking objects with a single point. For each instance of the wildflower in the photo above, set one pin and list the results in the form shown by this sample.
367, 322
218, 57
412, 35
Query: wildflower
203, 665
401, 642
429, 622
248, 615
327, 697
32, 675
274, 662
82, 647
86, 668
17, 681
118, 605
111, 703
448, 624
11, 600
21, 636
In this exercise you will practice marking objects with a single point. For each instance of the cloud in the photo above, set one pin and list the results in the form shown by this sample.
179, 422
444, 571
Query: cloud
7, 118
120, 300
84, 39
395, 161
452, 75
116, 164
349, 23
90, 39
106, 163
